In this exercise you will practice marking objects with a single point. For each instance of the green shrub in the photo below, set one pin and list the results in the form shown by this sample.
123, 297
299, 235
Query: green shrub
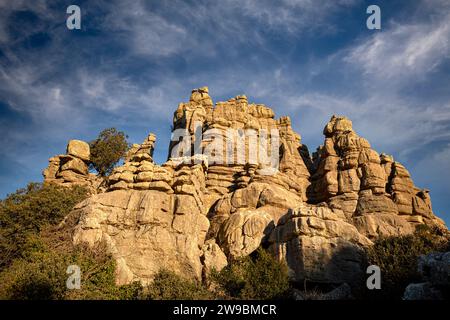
259, 276
98, 276
397, 258
170, 286
41, 273
109, 147
26, 212
36, 249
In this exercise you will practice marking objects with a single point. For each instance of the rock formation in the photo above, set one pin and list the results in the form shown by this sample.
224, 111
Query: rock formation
72, 168
217, 199
374, 191
435, 271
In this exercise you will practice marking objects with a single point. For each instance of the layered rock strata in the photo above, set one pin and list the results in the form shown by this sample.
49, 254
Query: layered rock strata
374, 191
72, 168
217, 199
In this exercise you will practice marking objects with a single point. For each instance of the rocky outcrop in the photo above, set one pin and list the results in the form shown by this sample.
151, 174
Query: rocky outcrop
144, 232
237, 178
435, 271
319, 245
375, 192
72, 168
435, 268
139, 172
227, 127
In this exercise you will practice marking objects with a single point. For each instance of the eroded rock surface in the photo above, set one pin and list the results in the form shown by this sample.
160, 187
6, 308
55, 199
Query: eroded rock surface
144, 233
72, 168
195, 213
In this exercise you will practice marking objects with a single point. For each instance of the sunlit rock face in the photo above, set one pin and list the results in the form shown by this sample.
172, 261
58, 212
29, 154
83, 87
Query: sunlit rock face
221, 195
72, 168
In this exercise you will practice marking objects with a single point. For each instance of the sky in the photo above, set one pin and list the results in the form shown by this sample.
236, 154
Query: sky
132, 62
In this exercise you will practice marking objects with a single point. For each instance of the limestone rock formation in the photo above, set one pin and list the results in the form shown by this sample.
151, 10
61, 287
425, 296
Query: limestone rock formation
374, 191
319, 245
72, 168
213, 257
237, 178
139, 172
144, 232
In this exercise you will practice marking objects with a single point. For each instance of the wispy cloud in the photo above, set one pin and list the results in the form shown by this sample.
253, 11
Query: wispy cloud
295, 16
403, 50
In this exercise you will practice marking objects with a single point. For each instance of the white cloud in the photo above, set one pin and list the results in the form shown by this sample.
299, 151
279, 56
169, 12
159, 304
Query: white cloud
147, 32
401, 51
432, 170
202, 26
28, 94
294, 16
390, 123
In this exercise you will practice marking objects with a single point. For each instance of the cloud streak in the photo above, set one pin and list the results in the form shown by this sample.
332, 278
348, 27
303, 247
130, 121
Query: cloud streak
411, 50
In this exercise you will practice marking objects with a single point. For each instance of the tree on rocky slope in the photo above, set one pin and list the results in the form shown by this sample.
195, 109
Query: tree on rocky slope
107, 150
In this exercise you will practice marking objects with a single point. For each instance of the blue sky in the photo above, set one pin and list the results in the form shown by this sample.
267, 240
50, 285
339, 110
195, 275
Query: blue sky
132, 62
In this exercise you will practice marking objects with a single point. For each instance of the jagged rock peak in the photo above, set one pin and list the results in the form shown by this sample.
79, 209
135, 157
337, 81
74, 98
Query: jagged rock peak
337, 124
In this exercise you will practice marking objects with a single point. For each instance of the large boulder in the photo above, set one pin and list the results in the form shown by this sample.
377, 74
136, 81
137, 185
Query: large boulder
319, 245
79, 149
243, 231
213, 257
435, 268
143, 233
422, 291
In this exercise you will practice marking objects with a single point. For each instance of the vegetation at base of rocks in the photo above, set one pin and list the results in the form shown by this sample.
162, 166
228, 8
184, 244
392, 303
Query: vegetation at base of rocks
26, 212
167, 285
397, 257
258, 276
36, 249
107, 150
41, 275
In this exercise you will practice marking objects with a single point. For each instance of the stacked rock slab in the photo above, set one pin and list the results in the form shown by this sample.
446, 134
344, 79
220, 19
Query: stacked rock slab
319, 245
152, 217
374, 191
72, 168
139, 172
211, 204
237, 123
412, 202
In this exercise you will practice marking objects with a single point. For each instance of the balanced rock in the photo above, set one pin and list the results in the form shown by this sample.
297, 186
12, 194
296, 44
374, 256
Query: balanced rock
79, 149
72, 168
